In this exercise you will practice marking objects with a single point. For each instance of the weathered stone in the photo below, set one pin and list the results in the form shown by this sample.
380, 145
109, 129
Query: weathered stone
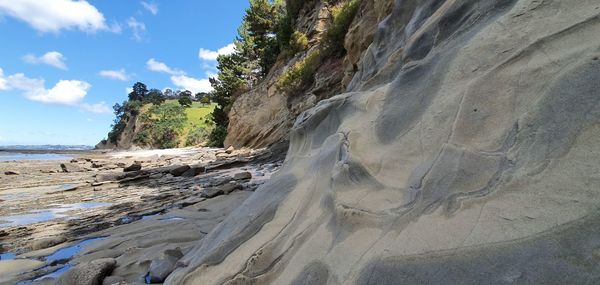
194, 171
70, 168
242, 175
47, 242
163, 266
178, 171
10, 172
114, 280
89, 273
134, 167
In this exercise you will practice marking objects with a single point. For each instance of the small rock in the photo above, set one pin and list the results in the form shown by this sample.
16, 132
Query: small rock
69, 168
211, 192
89, 273
242, 175
11, 173
194, 171
134, 167
161, 268
47, 242
230, 149
178, 171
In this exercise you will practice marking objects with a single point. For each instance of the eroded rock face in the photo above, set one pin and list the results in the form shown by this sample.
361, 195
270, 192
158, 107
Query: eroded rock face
467, 152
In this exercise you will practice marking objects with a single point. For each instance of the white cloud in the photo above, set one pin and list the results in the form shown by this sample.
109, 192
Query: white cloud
55, 15
98, 108
192, 84
115, 74
137, 28
151, 7
3, 83
205, 54
157, 66
65, 92
52, 58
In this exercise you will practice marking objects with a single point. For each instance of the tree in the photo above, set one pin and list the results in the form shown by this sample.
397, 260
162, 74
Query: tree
200, 95
139, 92
168, 93
205, 100
155, 97
185, 98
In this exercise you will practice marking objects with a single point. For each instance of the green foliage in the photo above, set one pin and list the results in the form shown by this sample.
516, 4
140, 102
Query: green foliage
160, 126
185, 99
333, 40
139, 92
155, 97
300, 75
298, 42
205, 100
197, 136
217, 136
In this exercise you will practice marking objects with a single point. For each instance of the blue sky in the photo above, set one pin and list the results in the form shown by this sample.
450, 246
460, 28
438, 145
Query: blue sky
65, 63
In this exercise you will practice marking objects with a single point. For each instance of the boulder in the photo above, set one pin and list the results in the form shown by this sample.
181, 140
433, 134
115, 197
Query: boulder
242, 175
194, 171
161, 267
180, 170
47, 242
134, 167
230, 149
88, 273
69, 168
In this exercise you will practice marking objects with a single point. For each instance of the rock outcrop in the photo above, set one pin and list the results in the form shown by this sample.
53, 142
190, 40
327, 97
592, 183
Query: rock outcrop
465, 151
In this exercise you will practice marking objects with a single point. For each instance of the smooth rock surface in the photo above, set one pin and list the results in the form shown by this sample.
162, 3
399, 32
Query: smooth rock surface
465, 152
88, 273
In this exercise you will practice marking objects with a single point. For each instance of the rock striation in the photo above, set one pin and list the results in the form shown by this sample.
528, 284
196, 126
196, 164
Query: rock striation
465, 150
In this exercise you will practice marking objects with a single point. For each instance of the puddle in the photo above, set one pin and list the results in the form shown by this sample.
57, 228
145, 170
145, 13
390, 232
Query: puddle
172, 219
7, 256
10, 156
55, 274
70, 251
45, 215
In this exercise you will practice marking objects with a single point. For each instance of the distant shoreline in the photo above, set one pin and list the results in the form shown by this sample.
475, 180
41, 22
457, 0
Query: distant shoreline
44, 151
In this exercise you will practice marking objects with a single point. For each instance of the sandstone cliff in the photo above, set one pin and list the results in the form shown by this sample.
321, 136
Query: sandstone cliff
465, 151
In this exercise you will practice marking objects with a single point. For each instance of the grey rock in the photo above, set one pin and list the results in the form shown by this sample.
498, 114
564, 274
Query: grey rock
194, 171
134, 167
88, 273
163, 266
47, 242
113, 280
242, 176
70, 168
179, 170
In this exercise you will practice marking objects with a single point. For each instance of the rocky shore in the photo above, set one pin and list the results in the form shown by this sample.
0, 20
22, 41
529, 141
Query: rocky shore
118, 218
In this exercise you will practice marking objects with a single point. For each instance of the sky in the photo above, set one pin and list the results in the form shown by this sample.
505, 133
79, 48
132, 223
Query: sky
65, 63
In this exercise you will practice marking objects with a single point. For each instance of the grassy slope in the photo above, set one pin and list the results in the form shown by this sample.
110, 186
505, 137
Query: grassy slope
195, 117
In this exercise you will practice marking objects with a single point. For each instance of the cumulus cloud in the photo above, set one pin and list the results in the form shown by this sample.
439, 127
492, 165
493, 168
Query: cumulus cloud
64, 92
98, 108
137, 28
115, 74
55, 15
52, 58
157, 66
179, 78
193, 84
151, 7
205, 54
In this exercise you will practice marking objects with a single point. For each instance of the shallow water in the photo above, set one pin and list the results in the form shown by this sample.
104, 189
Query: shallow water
70, 251
7, 256
10, 156
55, 274
45, 215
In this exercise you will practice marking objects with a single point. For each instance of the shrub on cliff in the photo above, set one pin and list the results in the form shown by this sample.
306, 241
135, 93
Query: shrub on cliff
300, 75
160, 126
298, 42
333, 40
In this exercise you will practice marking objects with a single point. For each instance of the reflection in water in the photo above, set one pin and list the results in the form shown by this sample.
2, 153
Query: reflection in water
39, 216
7, 256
